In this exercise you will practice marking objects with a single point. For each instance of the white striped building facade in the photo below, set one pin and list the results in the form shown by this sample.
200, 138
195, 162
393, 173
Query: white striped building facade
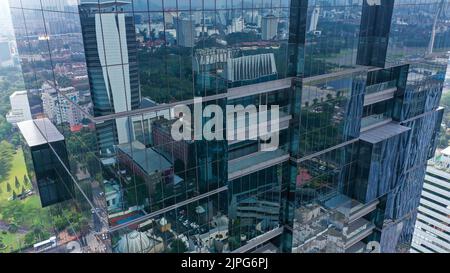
432, 229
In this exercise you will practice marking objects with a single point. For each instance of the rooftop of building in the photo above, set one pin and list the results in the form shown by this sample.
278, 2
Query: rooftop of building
440, 163
163, 124
39, 131
446, 151
102, 4
18, 93
437, 170
147, 103
147, 158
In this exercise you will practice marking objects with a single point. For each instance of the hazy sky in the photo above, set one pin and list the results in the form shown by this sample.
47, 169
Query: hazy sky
5, 19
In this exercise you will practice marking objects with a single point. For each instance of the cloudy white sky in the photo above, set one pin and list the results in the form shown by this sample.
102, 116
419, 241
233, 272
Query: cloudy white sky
5, 19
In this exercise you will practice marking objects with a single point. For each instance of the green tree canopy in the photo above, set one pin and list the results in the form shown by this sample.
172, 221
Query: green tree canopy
6, 155
177, 246
16, 182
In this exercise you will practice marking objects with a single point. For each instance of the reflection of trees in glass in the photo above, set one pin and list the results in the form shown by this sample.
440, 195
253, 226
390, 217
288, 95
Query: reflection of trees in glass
321, 58
6, 155
177, 246
166, 74
241, 37
322, 124
234, 240
63, 81
10, 80
69, 218
81, 147
40, 72
28, 217
135, 191
320, 186
37, 233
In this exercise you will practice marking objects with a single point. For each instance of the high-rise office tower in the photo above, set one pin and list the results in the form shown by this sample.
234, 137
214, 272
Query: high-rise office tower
185, 29
359, 117
269, 27
314, 19
110, 49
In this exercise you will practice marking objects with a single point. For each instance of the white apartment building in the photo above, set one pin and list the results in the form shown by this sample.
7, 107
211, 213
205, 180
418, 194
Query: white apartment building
57, 106
237, 25
432, 229
20, 108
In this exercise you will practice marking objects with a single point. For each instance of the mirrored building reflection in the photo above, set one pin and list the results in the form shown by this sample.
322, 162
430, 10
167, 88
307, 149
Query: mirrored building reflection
359, 116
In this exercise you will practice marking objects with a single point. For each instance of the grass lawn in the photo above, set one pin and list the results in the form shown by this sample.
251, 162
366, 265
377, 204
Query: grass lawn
32, 212
19, 169
12, 241
26, 213
35, 214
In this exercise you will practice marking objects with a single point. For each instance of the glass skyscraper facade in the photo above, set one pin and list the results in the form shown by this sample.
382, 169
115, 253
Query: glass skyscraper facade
357, 82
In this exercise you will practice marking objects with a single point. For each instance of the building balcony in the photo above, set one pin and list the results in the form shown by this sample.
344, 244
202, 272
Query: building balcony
254, 162
350, 208
283, 124
359, 247
380, 92
357, 231
376, 88
362, 210
373, 121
